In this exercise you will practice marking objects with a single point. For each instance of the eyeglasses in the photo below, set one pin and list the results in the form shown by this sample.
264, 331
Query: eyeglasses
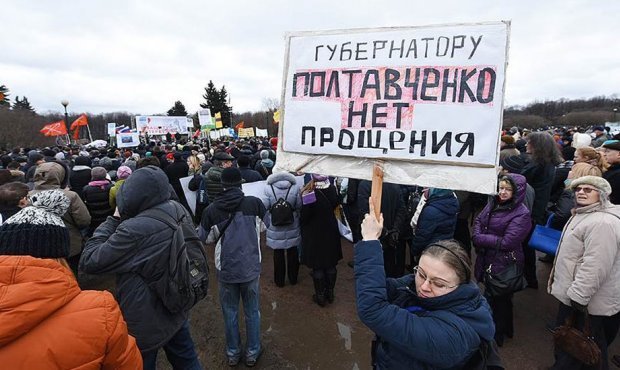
585, 190
434, 282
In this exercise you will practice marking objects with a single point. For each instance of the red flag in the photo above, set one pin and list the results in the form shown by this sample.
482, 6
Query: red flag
54, 129
76, 133
240, 125
80, 121
197, 133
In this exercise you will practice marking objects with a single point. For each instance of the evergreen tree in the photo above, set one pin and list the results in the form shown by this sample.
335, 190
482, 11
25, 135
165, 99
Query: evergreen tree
23, 104
224, 108
178, 109
212, 97
4, 97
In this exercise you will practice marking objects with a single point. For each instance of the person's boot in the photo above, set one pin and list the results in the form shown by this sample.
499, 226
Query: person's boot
319, 292
330, 277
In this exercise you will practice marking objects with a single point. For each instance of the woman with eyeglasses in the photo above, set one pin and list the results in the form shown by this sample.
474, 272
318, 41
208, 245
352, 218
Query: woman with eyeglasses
435, 318
586, 272
499, 230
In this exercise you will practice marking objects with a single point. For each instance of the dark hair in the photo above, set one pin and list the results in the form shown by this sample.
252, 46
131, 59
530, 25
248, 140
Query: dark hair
543, 148
243, 161
11, 193
452, 254
13, 165
148, 161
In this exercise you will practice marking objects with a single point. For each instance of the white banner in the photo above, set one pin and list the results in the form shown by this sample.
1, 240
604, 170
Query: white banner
262, 132
127, 139
161, 125
112, 129
205, 119
190, 195
425, 96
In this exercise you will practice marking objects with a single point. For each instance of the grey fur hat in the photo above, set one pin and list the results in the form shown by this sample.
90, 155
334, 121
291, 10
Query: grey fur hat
598, 182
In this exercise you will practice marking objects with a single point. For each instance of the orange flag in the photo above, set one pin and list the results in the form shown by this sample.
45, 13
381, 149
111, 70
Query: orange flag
239, 125
80, 121
54, 129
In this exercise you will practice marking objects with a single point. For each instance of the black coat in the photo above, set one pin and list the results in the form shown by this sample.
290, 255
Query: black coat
175, 171
320, 238
79, 178
392, 205
540, 177
97, 200
613, 177
250, 175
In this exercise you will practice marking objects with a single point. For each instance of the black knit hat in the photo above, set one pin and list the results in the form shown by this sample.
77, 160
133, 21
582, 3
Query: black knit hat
38, 230
513, 164
231, 177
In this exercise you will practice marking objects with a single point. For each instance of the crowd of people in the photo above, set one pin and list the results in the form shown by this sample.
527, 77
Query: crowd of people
422, 268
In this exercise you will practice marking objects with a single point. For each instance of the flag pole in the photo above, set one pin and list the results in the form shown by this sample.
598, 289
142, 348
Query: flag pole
89, 135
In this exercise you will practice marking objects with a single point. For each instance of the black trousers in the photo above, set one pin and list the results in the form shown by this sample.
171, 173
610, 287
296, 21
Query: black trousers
529, 267
282, 258
502, 315
604, 330
394, 260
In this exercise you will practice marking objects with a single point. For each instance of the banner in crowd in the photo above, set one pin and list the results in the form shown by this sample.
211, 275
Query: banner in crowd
161, 125
218, 120
127, 139
262, 132
426, 100
246, 132
206, 121
223, 132
112, 129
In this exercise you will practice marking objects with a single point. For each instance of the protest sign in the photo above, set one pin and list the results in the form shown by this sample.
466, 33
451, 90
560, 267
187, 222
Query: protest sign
161, 125
246, 132
262, 132
205, 119
427, 101
127, 139
190, 195
112, 129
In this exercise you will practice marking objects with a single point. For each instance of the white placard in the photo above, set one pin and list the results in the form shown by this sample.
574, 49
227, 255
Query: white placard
112, 129
422, 98
262, 132
161, 125
127, 139
190, 195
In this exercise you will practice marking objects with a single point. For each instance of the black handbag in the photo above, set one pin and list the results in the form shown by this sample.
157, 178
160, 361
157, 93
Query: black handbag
508, 281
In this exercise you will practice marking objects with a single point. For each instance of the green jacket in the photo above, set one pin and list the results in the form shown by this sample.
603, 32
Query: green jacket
113, 191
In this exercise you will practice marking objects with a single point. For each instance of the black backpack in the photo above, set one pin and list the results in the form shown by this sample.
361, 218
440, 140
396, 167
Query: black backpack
186, 280
282, 212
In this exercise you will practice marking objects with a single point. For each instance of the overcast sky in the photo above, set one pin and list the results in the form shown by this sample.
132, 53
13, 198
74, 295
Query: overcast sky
142, 56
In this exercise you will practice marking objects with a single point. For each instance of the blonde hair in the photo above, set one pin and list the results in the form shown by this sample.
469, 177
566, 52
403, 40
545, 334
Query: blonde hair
594, 158
585, 169
194, 163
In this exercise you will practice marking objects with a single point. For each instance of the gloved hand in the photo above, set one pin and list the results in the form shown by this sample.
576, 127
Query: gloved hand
579, 307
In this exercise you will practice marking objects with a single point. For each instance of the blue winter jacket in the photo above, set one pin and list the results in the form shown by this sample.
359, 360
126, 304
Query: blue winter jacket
437, 220
237, 252
442, 333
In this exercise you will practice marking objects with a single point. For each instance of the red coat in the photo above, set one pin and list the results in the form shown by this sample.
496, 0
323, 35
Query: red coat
47, 322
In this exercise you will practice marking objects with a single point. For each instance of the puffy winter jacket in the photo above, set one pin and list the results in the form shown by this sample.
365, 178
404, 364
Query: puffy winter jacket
96, 196
587, 264
136, 248
237, 252
500, 229
47, 322
442, 333
283, 237
437, 220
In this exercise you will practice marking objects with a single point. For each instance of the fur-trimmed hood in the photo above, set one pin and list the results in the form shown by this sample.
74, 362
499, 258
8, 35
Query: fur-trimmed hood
281, 180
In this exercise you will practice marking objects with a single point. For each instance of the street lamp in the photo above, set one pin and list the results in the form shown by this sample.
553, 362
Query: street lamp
615, 114
64, 103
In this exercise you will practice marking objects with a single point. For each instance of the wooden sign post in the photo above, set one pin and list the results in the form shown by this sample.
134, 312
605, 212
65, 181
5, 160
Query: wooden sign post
377, 187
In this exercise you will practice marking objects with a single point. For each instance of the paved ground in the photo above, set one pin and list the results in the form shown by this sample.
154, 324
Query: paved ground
297, 334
